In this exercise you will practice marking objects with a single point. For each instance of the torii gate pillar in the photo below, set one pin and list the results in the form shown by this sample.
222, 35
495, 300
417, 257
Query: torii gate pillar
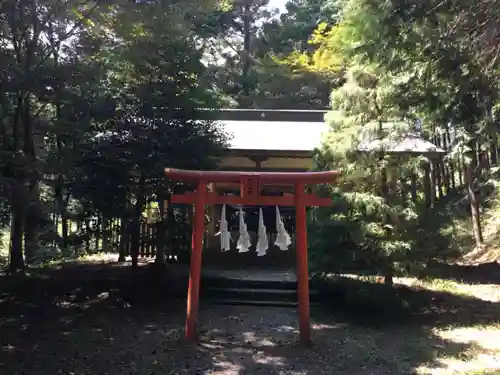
195, 265
302, 264
250, 183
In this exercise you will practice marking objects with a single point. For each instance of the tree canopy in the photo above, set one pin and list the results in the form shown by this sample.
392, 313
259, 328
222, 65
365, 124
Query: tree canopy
98, 97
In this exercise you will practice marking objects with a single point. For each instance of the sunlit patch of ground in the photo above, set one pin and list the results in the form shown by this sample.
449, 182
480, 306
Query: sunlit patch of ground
482, 355
485, 292
97, 258
457, 349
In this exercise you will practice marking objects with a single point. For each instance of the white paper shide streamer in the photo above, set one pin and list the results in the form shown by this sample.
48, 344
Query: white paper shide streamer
283, 239
225, 235
244, 242
262, 242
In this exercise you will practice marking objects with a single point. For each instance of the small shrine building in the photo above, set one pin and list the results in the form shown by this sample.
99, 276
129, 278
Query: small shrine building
262, 140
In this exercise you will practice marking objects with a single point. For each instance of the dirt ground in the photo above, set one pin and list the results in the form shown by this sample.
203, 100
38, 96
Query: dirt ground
58, 323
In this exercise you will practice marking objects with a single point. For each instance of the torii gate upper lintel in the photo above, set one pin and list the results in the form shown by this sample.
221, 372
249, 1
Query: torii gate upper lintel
250, 184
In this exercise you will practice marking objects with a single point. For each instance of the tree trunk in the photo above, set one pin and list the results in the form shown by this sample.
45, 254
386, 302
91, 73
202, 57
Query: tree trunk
460, 168
30, 238
449, 163
17, 194
490, 156
98, 231
123, 239
474, 206
136, 224
55, 226
31, 226
16, 241
476, 157
161, 231
105, 234
25, 47
384, 188
389, 278
88, 235
32, 213
65, 230
493, 150
135, 232
388, 270
247, 35
61, 209
483, 159
62, 203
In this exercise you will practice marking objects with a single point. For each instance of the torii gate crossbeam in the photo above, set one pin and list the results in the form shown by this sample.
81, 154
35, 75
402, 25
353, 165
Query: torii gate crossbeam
250, 187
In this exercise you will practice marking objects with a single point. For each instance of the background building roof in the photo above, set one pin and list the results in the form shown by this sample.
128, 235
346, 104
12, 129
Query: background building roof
292, 115
401, 138
274, 135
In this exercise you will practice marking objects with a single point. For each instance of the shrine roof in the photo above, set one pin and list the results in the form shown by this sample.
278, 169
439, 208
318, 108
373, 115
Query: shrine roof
400, 139
274, 135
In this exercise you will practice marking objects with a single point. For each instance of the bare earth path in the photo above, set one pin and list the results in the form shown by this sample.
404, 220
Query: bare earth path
95, 328
234, 341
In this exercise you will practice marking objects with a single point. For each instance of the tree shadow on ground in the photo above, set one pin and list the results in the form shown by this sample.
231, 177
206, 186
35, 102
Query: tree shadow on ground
106, 320
486, 273
375, 305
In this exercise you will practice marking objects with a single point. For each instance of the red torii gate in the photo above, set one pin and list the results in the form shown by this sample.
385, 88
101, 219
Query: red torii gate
250, 187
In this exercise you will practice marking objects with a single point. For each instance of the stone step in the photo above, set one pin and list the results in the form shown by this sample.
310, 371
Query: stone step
253, 284
245, 295
260, 303
251, 294
249, 302
248, 295
253, 290
270, 292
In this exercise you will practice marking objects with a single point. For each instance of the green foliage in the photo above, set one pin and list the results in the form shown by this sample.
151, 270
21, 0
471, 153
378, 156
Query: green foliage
96, 100
433, 61
375, 226
244, 48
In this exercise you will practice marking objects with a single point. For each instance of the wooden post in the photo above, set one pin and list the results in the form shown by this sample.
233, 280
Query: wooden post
195, 265
413, 186
432, 169
427, 185
302, 266
439, 178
